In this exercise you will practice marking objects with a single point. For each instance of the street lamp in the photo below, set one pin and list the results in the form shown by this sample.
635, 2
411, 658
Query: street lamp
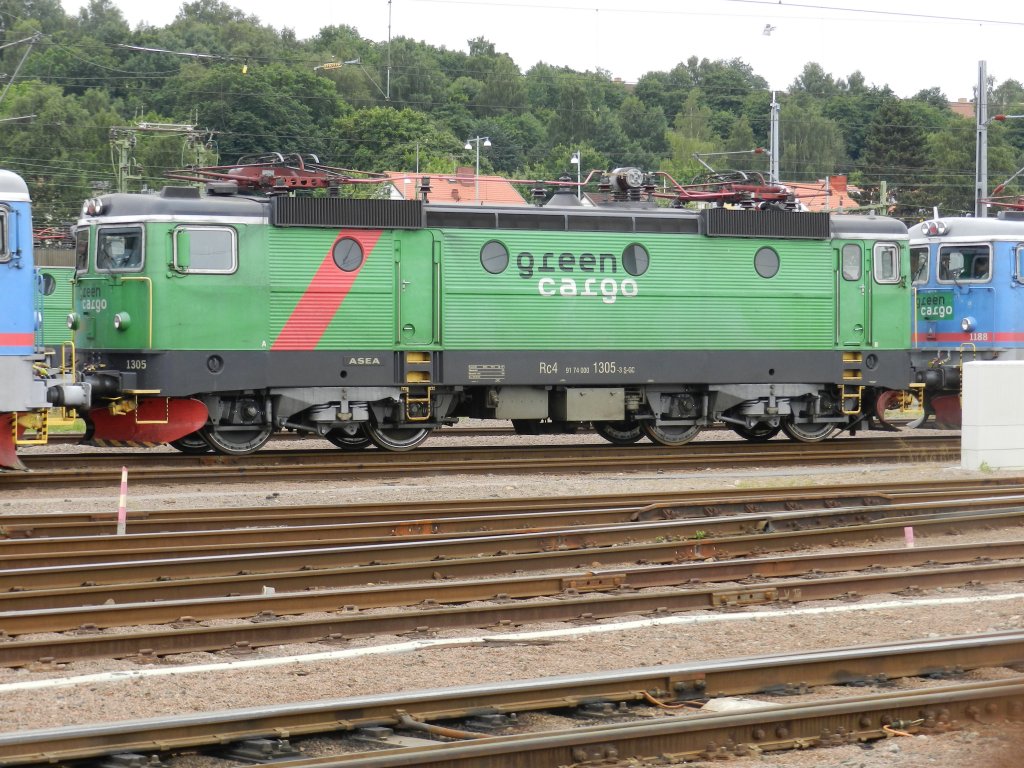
575, 160
469, 145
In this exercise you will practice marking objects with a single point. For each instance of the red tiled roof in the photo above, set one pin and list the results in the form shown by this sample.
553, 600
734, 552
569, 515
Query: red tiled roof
816, 198
460, 187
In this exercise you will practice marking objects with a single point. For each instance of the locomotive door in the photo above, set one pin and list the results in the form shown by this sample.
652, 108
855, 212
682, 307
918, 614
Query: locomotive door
852, 297
417, 265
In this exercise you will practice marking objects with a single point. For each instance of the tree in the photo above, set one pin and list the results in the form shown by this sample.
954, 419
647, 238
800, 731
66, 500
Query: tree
503, 88
62, 150
644, 126
384, 139
933, 96
667, 90
724, 84
895, 150
814, 81
273, 108
48, 15
691, 133
811, 144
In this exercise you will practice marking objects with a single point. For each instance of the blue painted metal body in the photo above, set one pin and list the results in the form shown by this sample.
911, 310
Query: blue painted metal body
968, 279
21, 386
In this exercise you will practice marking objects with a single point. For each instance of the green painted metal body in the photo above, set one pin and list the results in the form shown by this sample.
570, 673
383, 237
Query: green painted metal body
317, 317
426, 289
56, 306
699, 293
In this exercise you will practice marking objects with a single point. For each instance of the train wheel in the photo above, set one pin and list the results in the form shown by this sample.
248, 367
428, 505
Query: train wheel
396, 438
812, 432
670, 435
759, 433
351, 437
236, 441
619, 432
193, 444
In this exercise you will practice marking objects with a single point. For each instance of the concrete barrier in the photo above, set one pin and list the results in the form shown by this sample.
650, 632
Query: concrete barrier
992, 435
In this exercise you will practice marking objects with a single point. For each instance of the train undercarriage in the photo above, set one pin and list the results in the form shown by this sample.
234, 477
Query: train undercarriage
400, 418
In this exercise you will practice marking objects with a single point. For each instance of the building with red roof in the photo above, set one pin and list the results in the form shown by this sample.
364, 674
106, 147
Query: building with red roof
829, 194
462, 187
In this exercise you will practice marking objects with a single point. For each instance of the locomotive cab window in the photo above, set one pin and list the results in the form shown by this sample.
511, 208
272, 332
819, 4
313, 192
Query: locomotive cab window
205, 250
119, 249
5, 252
887, 263
82, 249
1019, 261
965, 264
919, 265
851, 262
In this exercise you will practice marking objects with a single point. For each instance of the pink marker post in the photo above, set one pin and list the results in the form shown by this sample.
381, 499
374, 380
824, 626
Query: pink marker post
908, 536
122, 505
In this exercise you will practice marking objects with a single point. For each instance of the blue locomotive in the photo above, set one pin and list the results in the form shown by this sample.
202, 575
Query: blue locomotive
968, 277
23, 401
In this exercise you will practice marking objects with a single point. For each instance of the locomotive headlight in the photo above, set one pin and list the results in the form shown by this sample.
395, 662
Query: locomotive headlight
122, 320
968, 324
92, 207
72, 322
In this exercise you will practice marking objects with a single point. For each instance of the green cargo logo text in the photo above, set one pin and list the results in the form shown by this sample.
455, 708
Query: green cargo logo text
574, 284
935, 306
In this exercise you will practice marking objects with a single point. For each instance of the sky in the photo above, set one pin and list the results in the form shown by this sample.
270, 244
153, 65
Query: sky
910, 45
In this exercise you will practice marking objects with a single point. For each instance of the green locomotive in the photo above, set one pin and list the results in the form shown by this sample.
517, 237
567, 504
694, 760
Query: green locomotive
212, 320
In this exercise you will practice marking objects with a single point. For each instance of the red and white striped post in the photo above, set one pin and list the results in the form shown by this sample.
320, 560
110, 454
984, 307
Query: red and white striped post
122, 505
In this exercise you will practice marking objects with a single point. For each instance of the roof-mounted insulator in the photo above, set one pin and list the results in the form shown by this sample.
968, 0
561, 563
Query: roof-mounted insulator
222, 188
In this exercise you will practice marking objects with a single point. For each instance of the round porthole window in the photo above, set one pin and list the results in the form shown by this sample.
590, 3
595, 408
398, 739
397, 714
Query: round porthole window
348, 254
48, 284
635, 259
494, 257
766, 262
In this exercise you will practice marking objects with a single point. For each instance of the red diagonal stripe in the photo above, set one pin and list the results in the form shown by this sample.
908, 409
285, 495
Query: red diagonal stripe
324, 295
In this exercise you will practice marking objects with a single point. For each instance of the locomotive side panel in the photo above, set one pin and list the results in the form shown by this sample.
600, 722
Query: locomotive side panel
559, 291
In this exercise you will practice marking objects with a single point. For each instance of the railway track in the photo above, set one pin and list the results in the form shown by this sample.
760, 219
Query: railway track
658, 541
581, 597
92, 469
124, 585
410, 516
599, 526
648, 708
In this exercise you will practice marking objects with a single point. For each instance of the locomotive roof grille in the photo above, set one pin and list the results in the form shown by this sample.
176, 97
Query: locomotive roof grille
561, 220
726, 222
345, 212
711, 222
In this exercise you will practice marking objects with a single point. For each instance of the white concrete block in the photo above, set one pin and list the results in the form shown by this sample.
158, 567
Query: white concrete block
995, 438
993, 393
1004, 459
